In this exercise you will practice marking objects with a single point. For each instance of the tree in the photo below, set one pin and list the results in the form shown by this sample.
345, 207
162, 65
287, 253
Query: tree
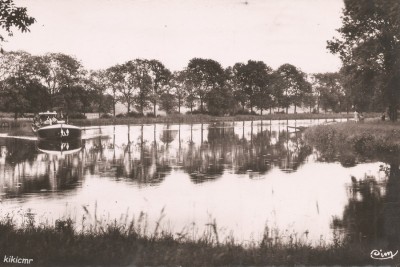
204, 75
370, 42
114, 80
220, 101
56, 71
38, 97
160, 77
73, 99
238, 93
168, 102
128, 85
329, 91
253, 79
291, 85
178, 88
96, 86
12, 16
20, 88
182, 81
14, 64
136, 84
359, 89
13, 96
142, 81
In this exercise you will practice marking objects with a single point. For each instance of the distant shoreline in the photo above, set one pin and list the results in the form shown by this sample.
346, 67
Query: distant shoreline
187, 118
198, 118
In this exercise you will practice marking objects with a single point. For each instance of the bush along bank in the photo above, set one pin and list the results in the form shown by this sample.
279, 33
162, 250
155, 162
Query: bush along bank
350, 141
201, 118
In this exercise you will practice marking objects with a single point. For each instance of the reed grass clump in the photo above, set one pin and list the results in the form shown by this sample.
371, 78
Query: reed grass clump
373, 140
131, 243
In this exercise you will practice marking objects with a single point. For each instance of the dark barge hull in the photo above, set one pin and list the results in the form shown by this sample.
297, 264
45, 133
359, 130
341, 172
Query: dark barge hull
59, 132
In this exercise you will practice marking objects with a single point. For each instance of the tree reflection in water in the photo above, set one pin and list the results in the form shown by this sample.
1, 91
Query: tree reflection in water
24, 170
145, 154
372, 215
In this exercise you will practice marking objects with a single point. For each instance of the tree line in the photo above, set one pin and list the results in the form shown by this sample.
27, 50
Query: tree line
369, 79
30, 83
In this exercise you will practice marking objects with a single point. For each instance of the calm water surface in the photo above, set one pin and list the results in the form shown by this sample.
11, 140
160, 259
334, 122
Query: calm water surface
248, 177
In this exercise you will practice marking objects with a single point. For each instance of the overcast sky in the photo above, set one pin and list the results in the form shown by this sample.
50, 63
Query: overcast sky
101, 33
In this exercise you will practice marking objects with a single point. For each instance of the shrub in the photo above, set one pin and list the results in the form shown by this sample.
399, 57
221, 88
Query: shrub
134, 114
120, 115
245, 112
150, 115
197, 111
76, 116
106, 116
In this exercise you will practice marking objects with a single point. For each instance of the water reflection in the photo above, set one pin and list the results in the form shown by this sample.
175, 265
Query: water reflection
372, 214
146, 154
59, 147
245, 174
27, 167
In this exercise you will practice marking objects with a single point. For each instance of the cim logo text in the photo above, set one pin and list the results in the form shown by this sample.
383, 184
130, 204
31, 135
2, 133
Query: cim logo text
381, 255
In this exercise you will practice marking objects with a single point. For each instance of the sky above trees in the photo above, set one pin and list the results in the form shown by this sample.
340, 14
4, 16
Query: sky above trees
103, 32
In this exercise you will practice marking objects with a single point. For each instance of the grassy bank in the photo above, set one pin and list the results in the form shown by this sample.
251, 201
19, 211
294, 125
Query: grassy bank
198, 118
372, 140
208, 119
120, 244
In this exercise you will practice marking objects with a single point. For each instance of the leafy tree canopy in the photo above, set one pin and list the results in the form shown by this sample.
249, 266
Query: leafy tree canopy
370, 42
204, 75
12, 16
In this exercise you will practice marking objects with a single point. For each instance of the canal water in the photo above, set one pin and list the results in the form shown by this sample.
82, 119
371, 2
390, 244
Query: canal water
248, 179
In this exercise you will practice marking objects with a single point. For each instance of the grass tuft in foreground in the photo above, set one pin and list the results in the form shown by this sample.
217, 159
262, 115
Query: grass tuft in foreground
120, 244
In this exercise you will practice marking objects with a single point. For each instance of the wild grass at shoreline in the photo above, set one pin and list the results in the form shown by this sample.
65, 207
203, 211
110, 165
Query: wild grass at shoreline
374, 140
198, 118
124, 244
187, 119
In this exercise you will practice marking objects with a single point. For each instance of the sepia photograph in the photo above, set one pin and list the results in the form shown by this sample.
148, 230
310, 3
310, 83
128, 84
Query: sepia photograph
199, 133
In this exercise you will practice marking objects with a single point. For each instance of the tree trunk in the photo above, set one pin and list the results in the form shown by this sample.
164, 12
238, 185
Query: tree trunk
295, 109
155, 105
114, 101
393, 112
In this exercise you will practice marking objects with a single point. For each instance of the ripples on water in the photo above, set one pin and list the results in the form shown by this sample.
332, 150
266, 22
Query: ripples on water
247, 176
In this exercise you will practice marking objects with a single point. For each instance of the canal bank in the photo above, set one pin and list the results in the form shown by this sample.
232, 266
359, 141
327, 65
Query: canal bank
198, 118
6, 122
256, 192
